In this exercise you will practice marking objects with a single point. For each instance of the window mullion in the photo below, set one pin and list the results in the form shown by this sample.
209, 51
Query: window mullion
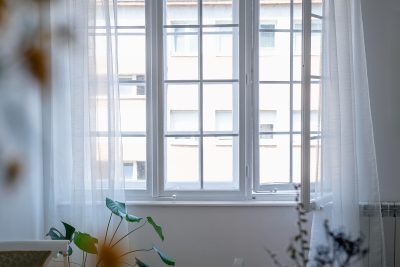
157, 96
200, 47
305, 103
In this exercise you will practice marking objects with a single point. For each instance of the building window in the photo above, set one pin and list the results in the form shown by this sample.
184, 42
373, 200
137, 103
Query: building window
185, 39
267, 36
205, 114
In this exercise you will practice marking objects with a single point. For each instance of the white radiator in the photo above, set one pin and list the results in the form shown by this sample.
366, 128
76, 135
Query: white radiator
391, 225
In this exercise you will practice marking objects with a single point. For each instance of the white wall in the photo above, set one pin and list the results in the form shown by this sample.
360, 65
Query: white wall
382, 41
214, 236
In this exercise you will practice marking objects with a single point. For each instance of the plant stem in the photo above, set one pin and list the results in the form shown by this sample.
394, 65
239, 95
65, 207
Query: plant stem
112, 238
137, 228
137, 250
85, 258
108, 225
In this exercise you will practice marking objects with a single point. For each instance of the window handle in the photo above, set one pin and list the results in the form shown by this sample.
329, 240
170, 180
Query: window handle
168, 197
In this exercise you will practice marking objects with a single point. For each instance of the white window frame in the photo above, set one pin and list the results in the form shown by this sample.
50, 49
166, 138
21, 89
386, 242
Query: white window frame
248, 110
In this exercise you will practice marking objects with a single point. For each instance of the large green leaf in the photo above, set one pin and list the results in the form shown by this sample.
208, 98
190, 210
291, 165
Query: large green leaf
140, 263
85, 242
132, 218
55, 234
118, 208
156, 227
69, 231
167, 260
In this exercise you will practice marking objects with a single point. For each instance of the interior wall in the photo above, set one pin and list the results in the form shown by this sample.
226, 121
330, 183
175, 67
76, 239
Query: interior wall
382, 44
214, 236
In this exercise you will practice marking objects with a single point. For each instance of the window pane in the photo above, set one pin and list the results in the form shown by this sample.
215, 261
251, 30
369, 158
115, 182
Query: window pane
132, 53
220, 53
180, 10
314, 107
220, 168
131, 13
274, 159
274, 106
220, 103
220, 12
182, 163
315, 159
297, 46
134, 160
133, 113
316, 40
182, 107
274, 62
273, 12
181, 54
316, 7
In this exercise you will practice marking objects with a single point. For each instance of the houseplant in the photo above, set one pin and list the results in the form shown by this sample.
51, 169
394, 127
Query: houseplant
107, 254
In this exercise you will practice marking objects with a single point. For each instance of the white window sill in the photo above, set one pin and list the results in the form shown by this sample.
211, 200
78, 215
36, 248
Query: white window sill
248, 203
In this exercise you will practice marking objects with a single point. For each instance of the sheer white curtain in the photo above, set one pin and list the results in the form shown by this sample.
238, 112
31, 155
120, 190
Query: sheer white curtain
86, 156
349, 171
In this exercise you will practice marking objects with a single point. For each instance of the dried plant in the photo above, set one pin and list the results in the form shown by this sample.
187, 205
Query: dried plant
339, 251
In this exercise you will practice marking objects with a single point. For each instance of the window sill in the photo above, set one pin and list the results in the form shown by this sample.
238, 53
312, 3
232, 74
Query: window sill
249, 203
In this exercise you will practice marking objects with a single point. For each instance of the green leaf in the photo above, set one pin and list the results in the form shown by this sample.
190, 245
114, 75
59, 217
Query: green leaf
86, 242
69, 251
156, 227
69, 231
167, 260
55, 234
132, 218
140, 263
118, 208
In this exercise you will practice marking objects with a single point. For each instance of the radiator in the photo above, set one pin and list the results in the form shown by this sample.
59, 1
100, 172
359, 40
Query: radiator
391, 225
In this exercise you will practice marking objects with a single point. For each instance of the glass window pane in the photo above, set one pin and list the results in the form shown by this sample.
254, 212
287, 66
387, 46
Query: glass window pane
315, 159
314, 107
220, 12
134, 162
133, 114
220, 163
316, 7
274, 157
132, 54
180, 10
220, 53
182, 163
316, 39
297, 52
131, 13
220, 107
274, 106
279, 13
181, 54
274, 62
182, 107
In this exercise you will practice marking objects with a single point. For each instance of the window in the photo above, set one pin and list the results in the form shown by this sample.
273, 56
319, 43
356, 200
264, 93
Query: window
267, 36
184, 39
213, 103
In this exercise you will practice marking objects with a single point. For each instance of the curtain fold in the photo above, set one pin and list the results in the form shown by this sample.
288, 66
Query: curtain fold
85, 139
349, 169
